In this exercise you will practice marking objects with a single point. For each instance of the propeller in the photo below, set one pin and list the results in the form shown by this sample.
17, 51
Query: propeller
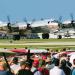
60, 22
25, 20
33, 21
28, 24
72, 20
60, 19
8, 18
71, 16
9, 24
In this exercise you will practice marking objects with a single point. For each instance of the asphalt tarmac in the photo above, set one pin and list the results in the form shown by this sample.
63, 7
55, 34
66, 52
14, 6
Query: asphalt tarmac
42, 43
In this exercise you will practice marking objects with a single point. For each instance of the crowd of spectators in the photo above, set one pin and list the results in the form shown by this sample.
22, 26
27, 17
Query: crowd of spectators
38, 64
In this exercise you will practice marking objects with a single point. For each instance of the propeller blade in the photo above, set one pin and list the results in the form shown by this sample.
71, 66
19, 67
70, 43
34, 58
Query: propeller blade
71, 16
8, 18
33, 21
25, 20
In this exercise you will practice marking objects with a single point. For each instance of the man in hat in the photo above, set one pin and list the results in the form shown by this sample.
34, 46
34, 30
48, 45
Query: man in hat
34, 68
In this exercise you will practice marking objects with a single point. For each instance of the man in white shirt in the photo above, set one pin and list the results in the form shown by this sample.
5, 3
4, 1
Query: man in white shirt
56, 70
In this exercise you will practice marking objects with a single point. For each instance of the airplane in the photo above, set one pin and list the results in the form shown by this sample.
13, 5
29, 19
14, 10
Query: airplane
28, 27
39, 26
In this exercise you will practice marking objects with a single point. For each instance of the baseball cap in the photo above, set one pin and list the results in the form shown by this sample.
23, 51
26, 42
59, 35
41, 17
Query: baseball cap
36, 62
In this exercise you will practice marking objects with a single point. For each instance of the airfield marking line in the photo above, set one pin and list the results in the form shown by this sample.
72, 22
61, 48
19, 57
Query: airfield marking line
46, 43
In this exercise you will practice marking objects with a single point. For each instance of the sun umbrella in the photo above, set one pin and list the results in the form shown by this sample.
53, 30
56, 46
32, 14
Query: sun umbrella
38, 51
72, 57
4, 52
61, 53
19, 50
23, 51
72, 53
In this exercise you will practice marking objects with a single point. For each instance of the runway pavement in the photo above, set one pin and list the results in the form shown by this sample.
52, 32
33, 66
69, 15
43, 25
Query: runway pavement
42, 43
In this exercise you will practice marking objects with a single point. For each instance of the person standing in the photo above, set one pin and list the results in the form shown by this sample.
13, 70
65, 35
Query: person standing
15, 66
43, 69
25, 69
5, 70
56, 70
73, 70
65, 68
34, 68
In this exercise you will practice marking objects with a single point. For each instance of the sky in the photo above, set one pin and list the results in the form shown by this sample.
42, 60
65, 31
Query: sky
17, 10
